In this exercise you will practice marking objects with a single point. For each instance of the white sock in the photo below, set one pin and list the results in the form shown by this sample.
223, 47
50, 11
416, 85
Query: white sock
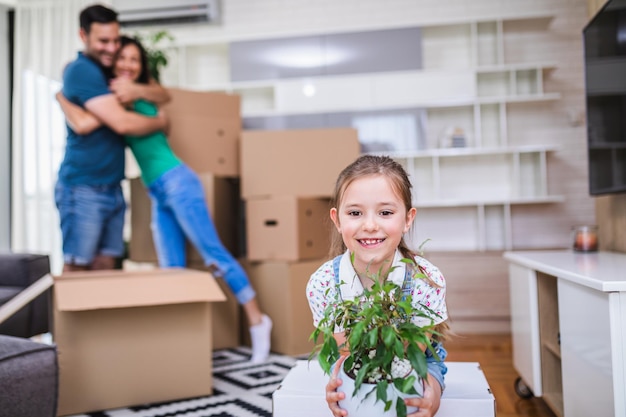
260, 335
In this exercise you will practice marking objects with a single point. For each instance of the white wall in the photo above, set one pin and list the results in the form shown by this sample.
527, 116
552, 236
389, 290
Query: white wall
560, 123
5, 168
245, 19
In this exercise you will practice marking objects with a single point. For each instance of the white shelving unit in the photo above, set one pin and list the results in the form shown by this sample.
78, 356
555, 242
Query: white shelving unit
473, 76
513, 174
463, 66
476, 184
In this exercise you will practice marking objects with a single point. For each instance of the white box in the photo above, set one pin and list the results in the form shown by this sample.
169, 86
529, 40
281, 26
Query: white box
302, 392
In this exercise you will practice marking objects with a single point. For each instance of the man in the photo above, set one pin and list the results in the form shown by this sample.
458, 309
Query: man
88, 193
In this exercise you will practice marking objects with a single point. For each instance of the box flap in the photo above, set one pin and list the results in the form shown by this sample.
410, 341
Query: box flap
203, 104
77, 291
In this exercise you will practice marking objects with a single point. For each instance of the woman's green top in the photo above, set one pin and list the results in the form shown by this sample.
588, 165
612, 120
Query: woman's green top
152, 152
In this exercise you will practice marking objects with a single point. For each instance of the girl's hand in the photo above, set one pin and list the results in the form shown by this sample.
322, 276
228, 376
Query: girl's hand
427, 405
332, 396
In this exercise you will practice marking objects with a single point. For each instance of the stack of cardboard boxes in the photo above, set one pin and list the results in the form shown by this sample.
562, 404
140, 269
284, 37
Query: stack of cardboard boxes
287, 178
204, 132
286, 181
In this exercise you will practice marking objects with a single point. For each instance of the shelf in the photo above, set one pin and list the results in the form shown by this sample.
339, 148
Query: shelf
551, 369
479, 185
489, 202
469, 151
529, 98
545, 66
554, 400
382, 91
553, 348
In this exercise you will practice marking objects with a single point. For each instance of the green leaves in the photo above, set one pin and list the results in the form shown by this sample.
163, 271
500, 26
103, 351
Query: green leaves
406, 385
157, 58
389, 337
418, 360
400, 408
379, 327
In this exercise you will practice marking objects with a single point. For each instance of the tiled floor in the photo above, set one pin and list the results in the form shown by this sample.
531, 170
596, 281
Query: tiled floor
240, 390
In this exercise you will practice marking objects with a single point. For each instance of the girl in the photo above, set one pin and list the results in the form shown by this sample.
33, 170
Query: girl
179, 208
372, 211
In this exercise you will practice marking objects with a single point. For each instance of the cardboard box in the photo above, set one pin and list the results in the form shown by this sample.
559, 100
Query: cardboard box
222, 196
302, 163
205, 129
129, 338
281, 293
302, 392
287, 228
227, 318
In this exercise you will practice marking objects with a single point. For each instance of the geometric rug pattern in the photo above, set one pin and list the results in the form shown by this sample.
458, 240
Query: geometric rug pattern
239, 390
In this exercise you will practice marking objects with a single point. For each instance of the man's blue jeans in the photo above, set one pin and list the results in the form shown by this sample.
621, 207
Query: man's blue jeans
179, 210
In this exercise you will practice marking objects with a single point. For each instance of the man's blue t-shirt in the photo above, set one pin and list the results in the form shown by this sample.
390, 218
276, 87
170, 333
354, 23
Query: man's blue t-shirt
98, 157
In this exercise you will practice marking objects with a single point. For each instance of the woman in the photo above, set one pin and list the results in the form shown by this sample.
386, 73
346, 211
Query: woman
179, 208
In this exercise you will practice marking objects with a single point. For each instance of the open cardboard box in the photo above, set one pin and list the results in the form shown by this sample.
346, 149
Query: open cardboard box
227, 316
128, 338
302, 392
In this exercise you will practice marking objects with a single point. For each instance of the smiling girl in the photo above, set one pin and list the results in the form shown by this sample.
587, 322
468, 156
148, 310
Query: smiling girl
372, 210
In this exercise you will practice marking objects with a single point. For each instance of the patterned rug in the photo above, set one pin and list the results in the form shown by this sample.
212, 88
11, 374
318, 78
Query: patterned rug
240, 390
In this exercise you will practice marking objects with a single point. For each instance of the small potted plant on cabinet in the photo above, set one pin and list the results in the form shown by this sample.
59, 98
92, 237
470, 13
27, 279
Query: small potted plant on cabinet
386, 361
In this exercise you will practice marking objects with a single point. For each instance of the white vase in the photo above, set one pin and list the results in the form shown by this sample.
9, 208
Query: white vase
363, 405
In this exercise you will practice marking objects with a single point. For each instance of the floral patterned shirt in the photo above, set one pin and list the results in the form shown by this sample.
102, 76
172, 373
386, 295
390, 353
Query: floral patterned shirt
322, 288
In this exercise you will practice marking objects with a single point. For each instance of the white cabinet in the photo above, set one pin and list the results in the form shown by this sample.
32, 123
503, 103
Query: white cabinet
568, 315
525, 326
592, 350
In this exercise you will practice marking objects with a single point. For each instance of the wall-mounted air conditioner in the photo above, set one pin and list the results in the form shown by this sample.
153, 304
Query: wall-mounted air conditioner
166, 12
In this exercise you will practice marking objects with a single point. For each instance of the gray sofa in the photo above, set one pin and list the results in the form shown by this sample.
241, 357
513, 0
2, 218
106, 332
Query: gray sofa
18, 271
28, 378
28, 370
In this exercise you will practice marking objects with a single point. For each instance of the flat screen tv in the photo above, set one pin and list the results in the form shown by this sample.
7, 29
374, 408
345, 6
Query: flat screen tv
605, 87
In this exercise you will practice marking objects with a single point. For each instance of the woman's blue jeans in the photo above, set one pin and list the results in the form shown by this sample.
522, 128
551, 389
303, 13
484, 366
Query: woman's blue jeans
179, 211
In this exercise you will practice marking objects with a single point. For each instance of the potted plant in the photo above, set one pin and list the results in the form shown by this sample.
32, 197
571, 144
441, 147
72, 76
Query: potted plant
157, 57
386, 361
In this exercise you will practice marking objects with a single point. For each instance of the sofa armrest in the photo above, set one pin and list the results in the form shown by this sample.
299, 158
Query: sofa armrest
25, 297
22, 269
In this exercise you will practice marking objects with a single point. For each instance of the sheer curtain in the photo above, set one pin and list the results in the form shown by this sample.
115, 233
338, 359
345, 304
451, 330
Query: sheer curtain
46, 38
